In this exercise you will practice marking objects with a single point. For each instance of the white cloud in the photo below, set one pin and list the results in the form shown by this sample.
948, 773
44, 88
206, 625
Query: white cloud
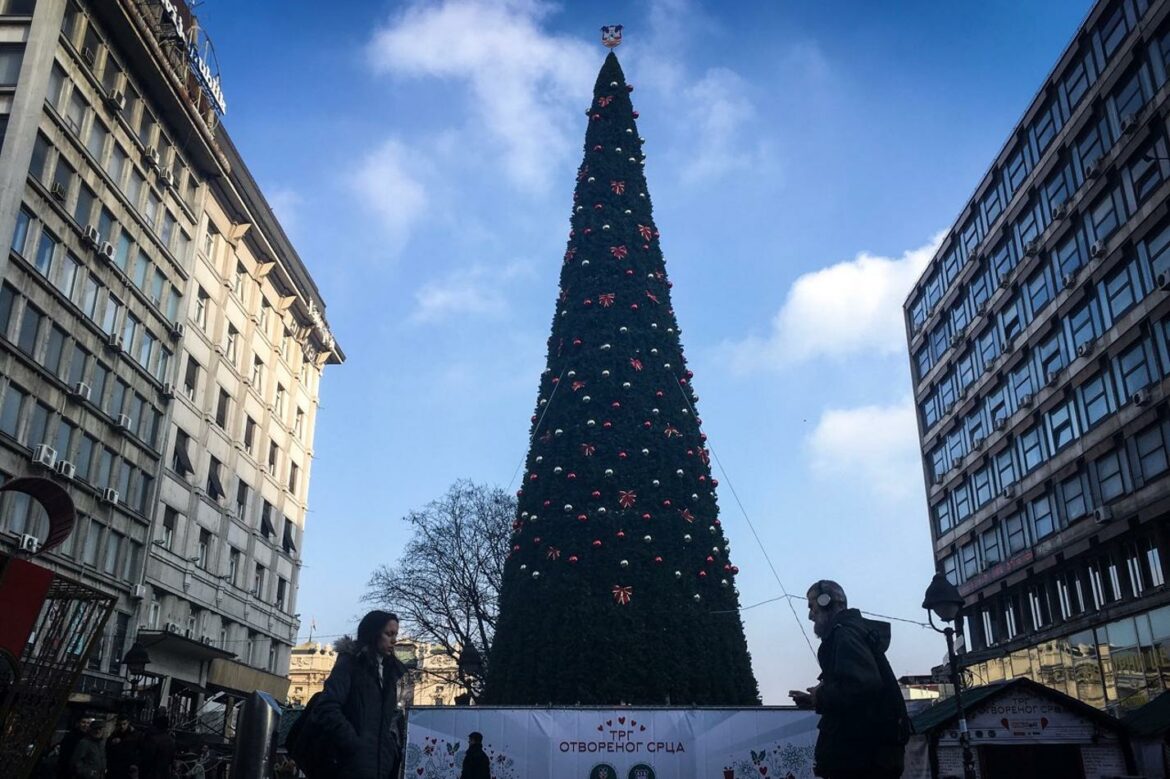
871, 446
388, 183
527, 86
286, 204
719, 111
475, 291
844, 309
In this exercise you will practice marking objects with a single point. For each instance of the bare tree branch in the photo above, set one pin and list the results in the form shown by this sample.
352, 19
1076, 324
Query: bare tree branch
446, 584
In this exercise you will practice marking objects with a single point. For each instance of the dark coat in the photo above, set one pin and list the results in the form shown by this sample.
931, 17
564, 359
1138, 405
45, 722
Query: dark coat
89, 759
156, 754
357, 714
862, 713
476, 764
65, 756
122, 752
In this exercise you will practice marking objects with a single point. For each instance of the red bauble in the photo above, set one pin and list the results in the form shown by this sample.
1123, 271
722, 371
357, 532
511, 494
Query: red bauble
576, 342
646, 516
629, 87
716, 523
714, 482
582, 517
519, 493
587, 302
658, 559
630, 272
516, 548
635, 113
534, 417
615, 404
633, 306
727, 567
556, 380
702, 574
646, 424
596, 117
690, 374
597, 206
682, 382
532, 477
536, 540
596, 494
571, 476
547, 503
658, 394
597, 543
572, 558
622, 455
710, 559
621, 534
666, 503
735, 569
607, 424
598, 147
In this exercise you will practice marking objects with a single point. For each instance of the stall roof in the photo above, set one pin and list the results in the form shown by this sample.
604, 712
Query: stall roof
943, 712
1150, 720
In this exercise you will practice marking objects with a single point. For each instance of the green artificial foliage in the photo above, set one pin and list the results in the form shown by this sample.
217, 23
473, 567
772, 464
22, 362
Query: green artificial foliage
617, 490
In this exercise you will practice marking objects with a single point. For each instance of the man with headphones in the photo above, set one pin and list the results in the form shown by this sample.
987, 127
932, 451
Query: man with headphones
864, 727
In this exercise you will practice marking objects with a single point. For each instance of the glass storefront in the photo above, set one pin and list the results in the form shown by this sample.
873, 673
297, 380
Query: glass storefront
1121, 665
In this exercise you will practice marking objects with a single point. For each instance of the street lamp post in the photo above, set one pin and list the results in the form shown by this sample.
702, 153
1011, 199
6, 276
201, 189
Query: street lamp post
943, 598
136, 661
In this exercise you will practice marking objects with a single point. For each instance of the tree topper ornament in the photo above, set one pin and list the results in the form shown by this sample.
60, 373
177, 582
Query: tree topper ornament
611, 36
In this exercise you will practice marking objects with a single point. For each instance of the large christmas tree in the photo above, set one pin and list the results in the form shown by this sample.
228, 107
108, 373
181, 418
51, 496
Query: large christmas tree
619, 586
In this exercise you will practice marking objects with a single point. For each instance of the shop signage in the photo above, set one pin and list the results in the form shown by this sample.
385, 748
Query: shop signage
209, 82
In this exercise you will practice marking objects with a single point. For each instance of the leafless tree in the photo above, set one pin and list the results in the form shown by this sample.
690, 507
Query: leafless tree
446, 584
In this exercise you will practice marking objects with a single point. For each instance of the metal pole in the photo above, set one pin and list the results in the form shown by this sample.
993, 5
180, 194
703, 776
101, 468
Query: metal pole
964, 736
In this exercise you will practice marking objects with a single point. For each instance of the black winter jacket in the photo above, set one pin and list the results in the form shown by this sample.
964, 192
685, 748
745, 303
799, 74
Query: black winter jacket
476, 764
858, 699
356, 714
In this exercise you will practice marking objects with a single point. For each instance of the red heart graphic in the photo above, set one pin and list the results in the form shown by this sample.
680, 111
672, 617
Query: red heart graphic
642, 727
621, 720
763, 770
600, 728
609, 722
1004, 722
420, 770
1043, 722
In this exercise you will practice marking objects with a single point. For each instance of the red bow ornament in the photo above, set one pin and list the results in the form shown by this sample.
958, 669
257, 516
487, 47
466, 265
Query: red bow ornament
622, 595
627, 498
619, 252
606, 300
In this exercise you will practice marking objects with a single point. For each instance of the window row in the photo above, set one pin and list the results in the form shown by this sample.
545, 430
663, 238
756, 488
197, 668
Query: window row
1101, 306
120, 97
1116, 116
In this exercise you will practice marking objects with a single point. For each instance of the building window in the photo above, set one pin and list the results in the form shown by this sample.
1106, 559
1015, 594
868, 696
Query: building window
258, 374
1110, 480
988, 628
214, 485
294, 473
990, 542
191, 377
969, 559
242, 500
181, 461
1068, 591
1031, 449
278, 401
1015, 533
238, 281
1133, 366
233, 566
1038, 605
258, 581
281, 592
170, 520
1151, 451
249, 433
1074, 498
202, 300
233, 338
266, 526
11, 55
1095, 399
1154, 563
203, 553
942, 516
273, 456
299, 424
221, 408
1043, 520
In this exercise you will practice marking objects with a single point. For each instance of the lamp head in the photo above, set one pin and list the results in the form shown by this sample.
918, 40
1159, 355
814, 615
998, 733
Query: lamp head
943, 598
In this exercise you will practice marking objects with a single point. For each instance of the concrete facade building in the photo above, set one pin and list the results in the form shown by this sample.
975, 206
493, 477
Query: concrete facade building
1040, 348
431, 681
161, 346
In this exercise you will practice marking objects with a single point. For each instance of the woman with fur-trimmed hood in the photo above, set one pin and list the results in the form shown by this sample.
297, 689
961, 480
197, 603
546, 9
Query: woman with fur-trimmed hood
357, 710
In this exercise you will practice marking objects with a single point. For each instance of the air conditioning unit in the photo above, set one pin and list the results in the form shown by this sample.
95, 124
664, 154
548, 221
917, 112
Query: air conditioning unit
29, 543
1140, 398
91, 236
138, 591
167, 178
1093, 168
67, 469
114, 342
1102, 514
206, 640
1052, 376
123, 421
1060, 210
174, 627
981, 309
1163, 281
1032, 248
1129, 123
1085, 349
57, 190
962, 393
105, 250
81, 390
977, 442
1008, 492
152, 158
1097, 250
168, 391
957, 340
1069, 279
1026, 400
116, 100
1006, 281
110, 495
1000, 423
43, 454
958, 463
178, 330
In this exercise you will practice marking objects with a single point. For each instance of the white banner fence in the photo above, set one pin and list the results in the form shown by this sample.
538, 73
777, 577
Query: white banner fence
615, 743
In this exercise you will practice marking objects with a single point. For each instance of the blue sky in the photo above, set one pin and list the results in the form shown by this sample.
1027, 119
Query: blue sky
803, 158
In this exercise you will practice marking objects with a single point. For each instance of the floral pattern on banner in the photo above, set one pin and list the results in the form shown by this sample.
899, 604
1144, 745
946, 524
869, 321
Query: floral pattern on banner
438, 758
783, 760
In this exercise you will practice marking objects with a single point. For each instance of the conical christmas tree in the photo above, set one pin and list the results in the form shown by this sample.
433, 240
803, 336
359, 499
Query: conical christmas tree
619, 587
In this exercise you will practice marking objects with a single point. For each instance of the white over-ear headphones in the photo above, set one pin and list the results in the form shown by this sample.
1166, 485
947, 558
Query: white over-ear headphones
823, 598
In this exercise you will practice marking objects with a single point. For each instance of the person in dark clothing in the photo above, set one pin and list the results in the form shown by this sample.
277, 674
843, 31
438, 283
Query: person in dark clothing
89, 756
359, 705
475, 763
122, 749
68, 745
157, 750
863, 726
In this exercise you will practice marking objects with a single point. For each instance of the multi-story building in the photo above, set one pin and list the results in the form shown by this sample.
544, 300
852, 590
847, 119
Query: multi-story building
433, 678
161, 345
1040, 348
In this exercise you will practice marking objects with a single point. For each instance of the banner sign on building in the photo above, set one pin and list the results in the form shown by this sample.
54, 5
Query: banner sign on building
621, 743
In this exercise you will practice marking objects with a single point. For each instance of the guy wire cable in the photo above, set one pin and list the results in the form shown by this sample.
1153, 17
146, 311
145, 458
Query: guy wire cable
730, 486
531, 438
